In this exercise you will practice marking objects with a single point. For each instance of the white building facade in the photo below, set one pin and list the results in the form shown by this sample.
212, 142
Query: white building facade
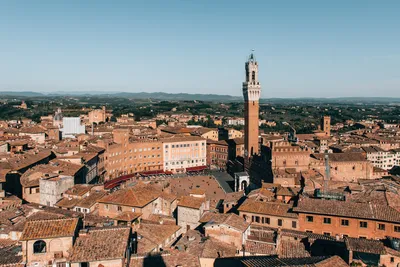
184, 152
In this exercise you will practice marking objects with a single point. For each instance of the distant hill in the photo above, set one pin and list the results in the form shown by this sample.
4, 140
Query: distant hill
141, 95
22, 93
202, 97
180, 96
334, 100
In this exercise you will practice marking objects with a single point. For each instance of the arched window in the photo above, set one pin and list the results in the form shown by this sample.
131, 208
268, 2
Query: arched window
39, 246
253, 76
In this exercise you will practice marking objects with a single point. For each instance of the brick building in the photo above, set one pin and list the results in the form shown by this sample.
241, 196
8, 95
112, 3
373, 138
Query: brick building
45, 241
235, 148
228, 228
134, 157
217, 154
285, 155
143, 200
229, 133
347, 167
345, 218
99, 115
271, 214
190, 210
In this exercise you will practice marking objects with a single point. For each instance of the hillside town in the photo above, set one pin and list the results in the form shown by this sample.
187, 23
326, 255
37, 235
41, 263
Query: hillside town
203, 189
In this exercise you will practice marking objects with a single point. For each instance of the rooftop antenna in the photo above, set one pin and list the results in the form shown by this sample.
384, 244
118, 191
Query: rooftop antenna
252, 55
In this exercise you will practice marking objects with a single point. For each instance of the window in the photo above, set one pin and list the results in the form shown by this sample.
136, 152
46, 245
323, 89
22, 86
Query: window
309, 231
381, 226
327, 220
327, 234
280, 222
345, 222
267, 220
397, 229
39, 247
363, 224
294, 224
119, 208
309, 218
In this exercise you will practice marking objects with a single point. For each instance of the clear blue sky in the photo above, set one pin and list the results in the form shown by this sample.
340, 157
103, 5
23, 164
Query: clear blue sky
304, 48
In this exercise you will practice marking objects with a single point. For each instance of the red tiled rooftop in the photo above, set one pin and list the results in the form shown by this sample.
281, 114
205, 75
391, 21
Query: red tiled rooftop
49, 228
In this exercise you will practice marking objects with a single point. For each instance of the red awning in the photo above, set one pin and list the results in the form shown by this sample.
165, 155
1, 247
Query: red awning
117, 181
152, 172
196, 169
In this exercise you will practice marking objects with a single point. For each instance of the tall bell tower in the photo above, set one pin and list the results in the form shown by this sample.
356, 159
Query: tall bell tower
251, 94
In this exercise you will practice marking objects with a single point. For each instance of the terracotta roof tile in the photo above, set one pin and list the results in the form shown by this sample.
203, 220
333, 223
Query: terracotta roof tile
195, 243
101, 244
67, 203
191, 202
127, 216
332, 261
27, 159
233, 197
78, 189
214, 249
342, 156
167, 259
137, 196
260, 248
348, 209
49, 228
157, 233
183, 186
10, 256
89, 201
292, 249
267, 208
365, 245
33, 175
229, 219
272, 261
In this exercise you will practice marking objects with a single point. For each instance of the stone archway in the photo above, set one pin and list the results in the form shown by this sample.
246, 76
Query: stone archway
243, 185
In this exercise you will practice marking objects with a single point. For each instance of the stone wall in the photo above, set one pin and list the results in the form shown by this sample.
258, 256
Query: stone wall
51, 190
188, 217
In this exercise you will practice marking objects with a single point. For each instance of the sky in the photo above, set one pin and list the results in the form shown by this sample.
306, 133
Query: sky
304, 48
